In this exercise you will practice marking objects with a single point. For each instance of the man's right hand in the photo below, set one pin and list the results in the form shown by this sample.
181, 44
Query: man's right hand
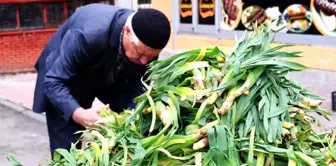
85, 116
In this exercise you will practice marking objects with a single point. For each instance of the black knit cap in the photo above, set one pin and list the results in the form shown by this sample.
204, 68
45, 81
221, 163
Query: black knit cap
152, 27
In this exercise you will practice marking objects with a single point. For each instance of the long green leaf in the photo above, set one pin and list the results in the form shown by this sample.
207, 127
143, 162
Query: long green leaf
67, 157
292, 65
13, 160
188, 66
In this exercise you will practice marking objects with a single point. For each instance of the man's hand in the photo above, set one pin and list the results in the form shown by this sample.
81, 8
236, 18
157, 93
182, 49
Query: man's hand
85, 116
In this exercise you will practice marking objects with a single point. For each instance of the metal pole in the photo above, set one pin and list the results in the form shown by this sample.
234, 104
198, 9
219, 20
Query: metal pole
333, 101
218, 13
175, 21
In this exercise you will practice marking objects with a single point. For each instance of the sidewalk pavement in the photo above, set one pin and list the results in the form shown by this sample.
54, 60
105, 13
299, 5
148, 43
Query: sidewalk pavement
19, 89
22, 137
17, 93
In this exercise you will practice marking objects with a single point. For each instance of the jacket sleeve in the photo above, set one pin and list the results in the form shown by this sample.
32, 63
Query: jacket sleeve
73, 54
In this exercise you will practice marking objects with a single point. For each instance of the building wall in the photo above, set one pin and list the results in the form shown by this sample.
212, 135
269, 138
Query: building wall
20, 46
124, 3
20, 50
313, 56
320, 78
165, 6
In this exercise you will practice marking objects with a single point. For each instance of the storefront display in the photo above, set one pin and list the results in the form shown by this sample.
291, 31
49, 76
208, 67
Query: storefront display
231, 14
314, 17
286, 16
206, 12
274, 17
324, 16
253, 16
297, 18
186, 11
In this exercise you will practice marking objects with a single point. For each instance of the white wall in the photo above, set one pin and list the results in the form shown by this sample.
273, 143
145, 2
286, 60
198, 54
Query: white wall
125, 3
132, 4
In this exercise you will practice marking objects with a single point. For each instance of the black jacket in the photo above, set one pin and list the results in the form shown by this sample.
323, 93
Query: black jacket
83, 60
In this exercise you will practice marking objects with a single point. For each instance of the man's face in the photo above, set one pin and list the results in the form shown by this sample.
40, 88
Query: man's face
138, 53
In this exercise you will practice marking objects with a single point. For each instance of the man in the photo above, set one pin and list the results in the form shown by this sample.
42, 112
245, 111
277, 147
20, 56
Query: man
101, 51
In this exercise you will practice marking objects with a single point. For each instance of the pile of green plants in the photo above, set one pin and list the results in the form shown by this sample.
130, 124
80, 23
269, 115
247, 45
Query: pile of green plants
204, 107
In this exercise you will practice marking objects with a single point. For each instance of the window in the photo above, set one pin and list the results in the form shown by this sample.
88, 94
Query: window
185, 15
39, 15
73, 6
105, 2
98, 1
31, 15
55, 14
7, 16
206, 12
185, 11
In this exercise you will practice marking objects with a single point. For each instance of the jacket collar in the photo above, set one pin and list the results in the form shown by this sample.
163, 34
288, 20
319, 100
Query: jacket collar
121, 56
121, 50
117, 25
116, 35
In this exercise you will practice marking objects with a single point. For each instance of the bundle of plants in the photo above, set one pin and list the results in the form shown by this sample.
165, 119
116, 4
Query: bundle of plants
205, 107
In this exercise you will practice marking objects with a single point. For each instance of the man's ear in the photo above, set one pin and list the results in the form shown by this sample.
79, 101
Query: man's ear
127, 30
